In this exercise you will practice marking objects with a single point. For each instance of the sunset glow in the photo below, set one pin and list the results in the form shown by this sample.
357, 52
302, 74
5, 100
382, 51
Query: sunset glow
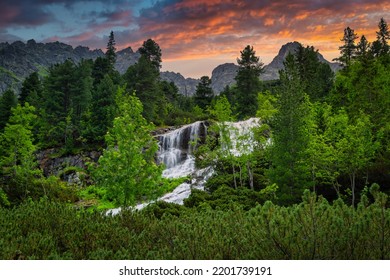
195, 36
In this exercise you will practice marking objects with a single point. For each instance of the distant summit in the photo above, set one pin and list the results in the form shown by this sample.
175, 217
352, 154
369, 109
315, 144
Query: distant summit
18, 60
271, 71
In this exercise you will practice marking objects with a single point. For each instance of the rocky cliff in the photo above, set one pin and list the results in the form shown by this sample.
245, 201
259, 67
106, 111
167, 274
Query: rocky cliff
222, 76
271, 71
18, 60
186, 86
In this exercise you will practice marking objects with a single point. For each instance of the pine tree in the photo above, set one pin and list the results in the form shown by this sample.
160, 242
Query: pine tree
316, 76
204, 93
67, 96
144, 78
290, 139
103, 109
7, 102
363, 49
348, 50
248, 83
111, 50
383, 35
31, 91
152, 52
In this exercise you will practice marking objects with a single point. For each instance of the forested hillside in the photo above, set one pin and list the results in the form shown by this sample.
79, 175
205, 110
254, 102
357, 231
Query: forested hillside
312, 182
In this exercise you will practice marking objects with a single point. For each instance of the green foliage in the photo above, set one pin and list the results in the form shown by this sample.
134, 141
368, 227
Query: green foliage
31, 91
291, 134
348, 49
7, 102
316, 76
248, 83
4, 202
312, 229
152, 52
383, 35
111, 50
204, 93
102, 110
67, 95
17, 162
267, 109
127, 167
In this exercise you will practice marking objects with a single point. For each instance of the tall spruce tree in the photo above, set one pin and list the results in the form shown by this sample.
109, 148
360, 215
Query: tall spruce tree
111, 50
363, 49
143, 78
7, 101
151, 50
290, 140
204, 93
316, 76
248, 83
31, 91
348, 49
67, 96
383, 35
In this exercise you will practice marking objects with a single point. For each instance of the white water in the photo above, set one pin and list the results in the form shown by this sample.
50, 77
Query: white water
176, 154
241, 136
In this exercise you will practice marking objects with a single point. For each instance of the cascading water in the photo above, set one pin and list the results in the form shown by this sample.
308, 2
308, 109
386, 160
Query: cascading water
176, 153
176, 149
241, 136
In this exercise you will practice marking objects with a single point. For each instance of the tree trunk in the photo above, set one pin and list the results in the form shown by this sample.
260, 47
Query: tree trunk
352, 178
250, 173
234, 176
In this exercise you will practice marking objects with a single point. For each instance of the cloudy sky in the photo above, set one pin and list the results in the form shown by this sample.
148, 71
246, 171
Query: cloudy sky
195, 35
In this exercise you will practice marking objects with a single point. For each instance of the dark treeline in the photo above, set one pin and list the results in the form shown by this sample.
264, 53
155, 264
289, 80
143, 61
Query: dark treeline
305, 187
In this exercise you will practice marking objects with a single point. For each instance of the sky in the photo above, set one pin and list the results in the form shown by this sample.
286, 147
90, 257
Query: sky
195, 36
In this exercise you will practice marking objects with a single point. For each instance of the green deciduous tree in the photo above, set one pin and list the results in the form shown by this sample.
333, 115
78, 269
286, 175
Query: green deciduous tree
127, 167
18, 164
356, 149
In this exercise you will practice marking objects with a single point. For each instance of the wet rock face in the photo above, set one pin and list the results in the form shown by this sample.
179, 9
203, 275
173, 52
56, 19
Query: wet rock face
69, 168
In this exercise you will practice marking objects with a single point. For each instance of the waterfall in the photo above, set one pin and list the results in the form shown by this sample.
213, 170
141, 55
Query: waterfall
176, 148
241, 136
176, 153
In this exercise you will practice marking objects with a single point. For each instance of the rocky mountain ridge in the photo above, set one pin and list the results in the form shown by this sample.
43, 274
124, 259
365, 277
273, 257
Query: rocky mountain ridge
18, 60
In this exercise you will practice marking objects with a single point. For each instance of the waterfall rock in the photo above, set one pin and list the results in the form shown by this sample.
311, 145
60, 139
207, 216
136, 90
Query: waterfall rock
69, 168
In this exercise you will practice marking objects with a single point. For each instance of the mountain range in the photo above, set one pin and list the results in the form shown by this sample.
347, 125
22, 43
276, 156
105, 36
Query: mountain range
18, 60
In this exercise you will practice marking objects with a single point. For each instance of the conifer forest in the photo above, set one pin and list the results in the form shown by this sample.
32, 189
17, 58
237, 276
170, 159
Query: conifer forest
293, 168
